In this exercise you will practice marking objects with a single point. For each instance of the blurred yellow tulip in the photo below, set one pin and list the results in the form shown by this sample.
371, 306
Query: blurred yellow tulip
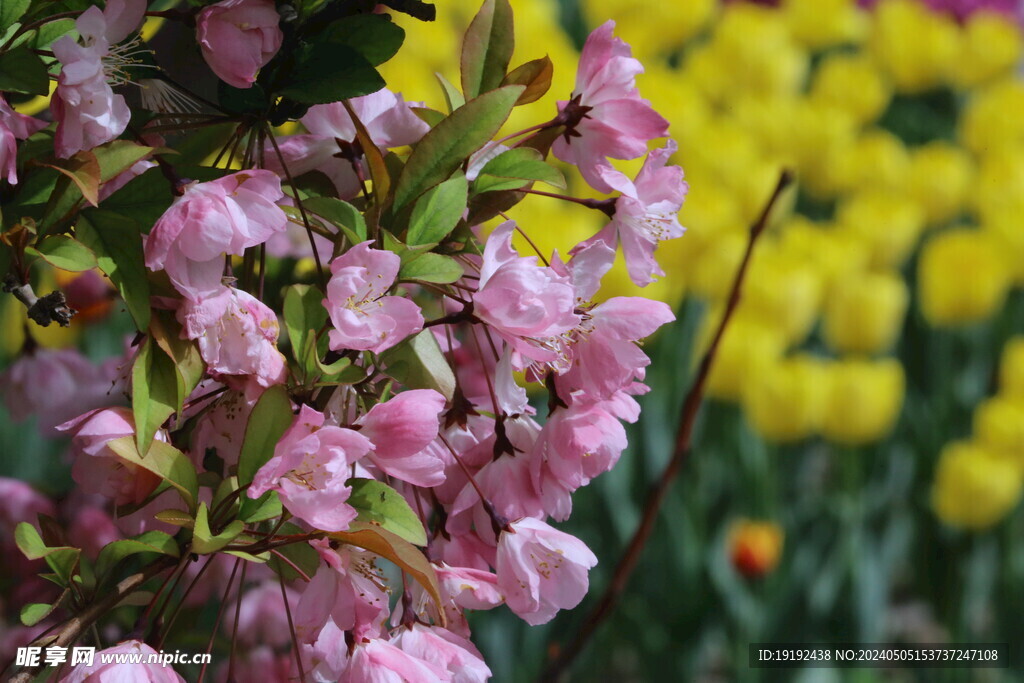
864, 400
864, 313
940, 177
783, 401
1011, 369
999, 426
746, 349
918, 48
962, 277
755, 547
852, 83
973, 488
823, 23
887, 223
990, 48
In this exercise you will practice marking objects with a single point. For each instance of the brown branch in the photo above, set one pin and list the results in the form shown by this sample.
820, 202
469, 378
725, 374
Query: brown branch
77, 624
43, 310
691, 406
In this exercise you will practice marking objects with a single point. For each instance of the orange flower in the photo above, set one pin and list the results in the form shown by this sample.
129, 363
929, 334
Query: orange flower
755, 547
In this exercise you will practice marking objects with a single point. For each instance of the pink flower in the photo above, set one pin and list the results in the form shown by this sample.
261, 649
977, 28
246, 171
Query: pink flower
262, 618
91, 528
347, 593
227, 215
237, 335
362, 314
645, 214
13, 127
330, 146
99, 470
238, 37
462, 588
87, 111
606, 116
222, 427
541, 570
445, 650
55, 385
523, 302
101, 672
380, 661
309, 469
19, 502
401, 429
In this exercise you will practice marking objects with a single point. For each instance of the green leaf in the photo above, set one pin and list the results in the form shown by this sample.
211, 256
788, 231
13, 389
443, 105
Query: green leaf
487, 48
165, 331
452, 97
374, 36
304, 314
442, 150
47, 34
516, 168
144, 199
65, 253
83, 170
118, 156
21, 70
535, 75
438, 211
325, 72
33, 613
156, 542
154, 392
267, 506
270, 418
392, 547
176, 518
418, 363
117, 243
165, 461
29, 542
339, 213
11, 12
205, 541
302, 555
379, 504
62, 559
432, 267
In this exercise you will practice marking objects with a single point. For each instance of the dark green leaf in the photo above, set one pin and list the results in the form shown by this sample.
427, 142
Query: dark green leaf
325, 72
418, 363
143, 199
514, 169
270, 418
117, 243
156, 542
451, 142
11, 12
21, 70
154, 392
118, 156
165, 461
374, 36
487, 48
302, 555
188, 362
304, 314
438, 211
535, 75
379, 504
47, 34
432, 267
66, 253
267, 506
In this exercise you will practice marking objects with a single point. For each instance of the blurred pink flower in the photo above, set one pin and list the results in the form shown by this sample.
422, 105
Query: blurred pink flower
100, 672
606, 116
238, 38
13, 127
363, 315
223, 216
541, 570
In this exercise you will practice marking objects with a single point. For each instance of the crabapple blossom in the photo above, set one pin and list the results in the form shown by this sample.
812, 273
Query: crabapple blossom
606, 116
446, 650
541, 570
238, 37
363, 315
401, 429
223, 216
237, 336
381, 661
309, 469
13, 126
101, 670
645, 214
19, 502
99, 470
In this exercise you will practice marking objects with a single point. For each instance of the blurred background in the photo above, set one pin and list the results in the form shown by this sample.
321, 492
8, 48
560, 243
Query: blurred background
858, 466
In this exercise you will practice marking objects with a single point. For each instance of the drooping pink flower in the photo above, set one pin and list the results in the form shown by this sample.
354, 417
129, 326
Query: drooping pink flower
223, 216
237, 336
238, 38
401, 429
103, 671
449, 652
87, 111
364, 316
310, 466
541, 570
330, 146
522, 301
645, 213
99, 470
606, 116
13, 127
462, 588
381, 661
262, 618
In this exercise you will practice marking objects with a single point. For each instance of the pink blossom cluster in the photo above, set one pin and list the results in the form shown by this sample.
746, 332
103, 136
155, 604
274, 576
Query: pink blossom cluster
481, 470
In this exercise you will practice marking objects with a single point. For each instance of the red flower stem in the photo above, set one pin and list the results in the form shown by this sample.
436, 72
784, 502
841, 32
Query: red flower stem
627, 563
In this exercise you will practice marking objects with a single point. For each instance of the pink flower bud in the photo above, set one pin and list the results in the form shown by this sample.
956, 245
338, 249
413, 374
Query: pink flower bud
238, 38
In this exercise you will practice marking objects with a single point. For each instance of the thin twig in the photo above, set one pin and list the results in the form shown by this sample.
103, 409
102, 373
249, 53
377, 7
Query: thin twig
291, 629
627, 563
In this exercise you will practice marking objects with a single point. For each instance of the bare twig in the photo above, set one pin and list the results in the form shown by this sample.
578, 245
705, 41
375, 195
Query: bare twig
43, 310
627, 563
